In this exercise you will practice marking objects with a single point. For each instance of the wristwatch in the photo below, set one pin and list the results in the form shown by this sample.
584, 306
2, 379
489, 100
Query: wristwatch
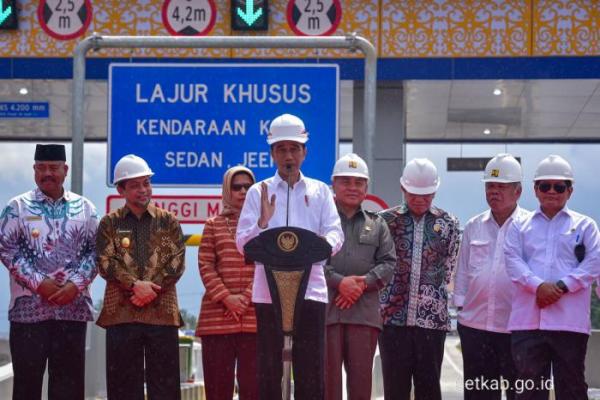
561, 285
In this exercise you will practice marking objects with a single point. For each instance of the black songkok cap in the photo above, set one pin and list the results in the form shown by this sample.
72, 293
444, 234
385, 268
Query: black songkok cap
50, 152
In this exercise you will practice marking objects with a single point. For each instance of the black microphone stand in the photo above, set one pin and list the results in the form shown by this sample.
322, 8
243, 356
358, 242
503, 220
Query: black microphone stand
288, 169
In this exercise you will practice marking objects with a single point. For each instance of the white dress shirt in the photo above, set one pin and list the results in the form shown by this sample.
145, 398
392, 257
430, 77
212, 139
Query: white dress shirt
311, 207
481, 286
540, 250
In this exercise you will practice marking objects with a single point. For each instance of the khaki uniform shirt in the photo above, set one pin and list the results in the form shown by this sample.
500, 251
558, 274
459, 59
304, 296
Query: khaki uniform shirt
368, 251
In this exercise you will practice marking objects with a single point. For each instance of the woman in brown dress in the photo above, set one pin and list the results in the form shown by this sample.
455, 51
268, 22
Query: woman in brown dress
227, 322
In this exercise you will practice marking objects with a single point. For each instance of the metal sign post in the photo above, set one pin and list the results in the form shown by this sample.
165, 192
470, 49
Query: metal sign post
350, 42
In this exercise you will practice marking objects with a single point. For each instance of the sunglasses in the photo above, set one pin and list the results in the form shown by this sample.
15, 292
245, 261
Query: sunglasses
558, 187
236, 187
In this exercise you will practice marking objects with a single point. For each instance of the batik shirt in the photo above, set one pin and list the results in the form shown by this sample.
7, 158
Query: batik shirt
41, 238
148, 248
426, 251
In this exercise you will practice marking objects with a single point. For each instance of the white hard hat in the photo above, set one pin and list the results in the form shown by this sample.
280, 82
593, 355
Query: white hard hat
420, 177
351, 165
129, 167
503, 168
287, 127
553, 167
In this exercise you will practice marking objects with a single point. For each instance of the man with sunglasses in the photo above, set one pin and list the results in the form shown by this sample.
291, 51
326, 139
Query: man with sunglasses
482, 289
553, 257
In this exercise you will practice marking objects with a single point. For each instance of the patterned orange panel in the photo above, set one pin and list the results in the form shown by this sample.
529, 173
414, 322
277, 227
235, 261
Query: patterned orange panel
357, 16
144, 18
454, 28
12, 42
110, 17
567, 27
30, 40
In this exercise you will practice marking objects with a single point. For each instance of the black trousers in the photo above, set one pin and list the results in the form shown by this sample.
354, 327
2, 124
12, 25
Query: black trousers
411, 354
59, 343
536, 351
488, 364
127, 347
308, 352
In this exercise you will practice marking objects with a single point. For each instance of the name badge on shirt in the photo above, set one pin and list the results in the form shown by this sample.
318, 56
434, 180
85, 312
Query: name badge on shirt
33, 218
124, 237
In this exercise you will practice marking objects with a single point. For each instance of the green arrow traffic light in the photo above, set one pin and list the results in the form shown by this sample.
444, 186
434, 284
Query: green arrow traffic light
250, 15
8, 14
4, 12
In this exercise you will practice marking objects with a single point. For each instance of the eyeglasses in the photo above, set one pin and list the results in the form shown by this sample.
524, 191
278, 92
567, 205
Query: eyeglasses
558, 187
236, 187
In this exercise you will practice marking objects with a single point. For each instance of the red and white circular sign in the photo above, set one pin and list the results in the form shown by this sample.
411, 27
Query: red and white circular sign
314, 17
189, 17
64, 19
374, 203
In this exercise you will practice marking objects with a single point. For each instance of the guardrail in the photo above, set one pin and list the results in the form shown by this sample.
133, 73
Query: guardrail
6, 381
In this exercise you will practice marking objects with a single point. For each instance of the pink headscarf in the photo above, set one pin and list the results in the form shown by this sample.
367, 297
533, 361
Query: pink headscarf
228, 207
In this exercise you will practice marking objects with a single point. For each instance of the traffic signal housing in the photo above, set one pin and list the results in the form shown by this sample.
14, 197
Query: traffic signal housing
8, 15
249, 15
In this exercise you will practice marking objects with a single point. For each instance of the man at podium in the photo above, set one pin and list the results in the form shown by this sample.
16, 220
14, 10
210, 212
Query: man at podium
310, 206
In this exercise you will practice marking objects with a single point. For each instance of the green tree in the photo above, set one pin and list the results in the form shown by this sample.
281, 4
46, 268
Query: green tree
189, 319
595, 313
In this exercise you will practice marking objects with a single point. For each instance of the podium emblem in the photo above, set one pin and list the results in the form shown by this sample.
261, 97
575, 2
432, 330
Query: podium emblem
287, 241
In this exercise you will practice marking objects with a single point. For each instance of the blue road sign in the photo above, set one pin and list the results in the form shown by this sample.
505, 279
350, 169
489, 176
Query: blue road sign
24, 109
193, 121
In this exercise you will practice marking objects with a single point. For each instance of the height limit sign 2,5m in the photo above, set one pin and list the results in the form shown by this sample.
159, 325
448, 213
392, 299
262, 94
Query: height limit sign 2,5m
314, 17
64, 19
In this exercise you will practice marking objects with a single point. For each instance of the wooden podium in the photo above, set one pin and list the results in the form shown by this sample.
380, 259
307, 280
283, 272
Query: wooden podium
288, 254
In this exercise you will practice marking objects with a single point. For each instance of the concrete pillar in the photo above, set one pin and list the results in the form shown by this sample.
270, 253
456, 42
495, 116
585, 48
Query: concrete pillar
389, 149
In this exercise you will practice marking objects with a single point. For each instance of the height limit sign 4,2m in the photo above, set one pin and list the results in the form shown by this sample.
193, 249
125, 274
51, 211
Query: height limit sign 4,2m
189, 17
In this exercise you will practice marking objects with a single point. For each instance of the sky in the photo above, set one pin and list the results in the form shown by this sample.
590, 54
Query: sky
460, 193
